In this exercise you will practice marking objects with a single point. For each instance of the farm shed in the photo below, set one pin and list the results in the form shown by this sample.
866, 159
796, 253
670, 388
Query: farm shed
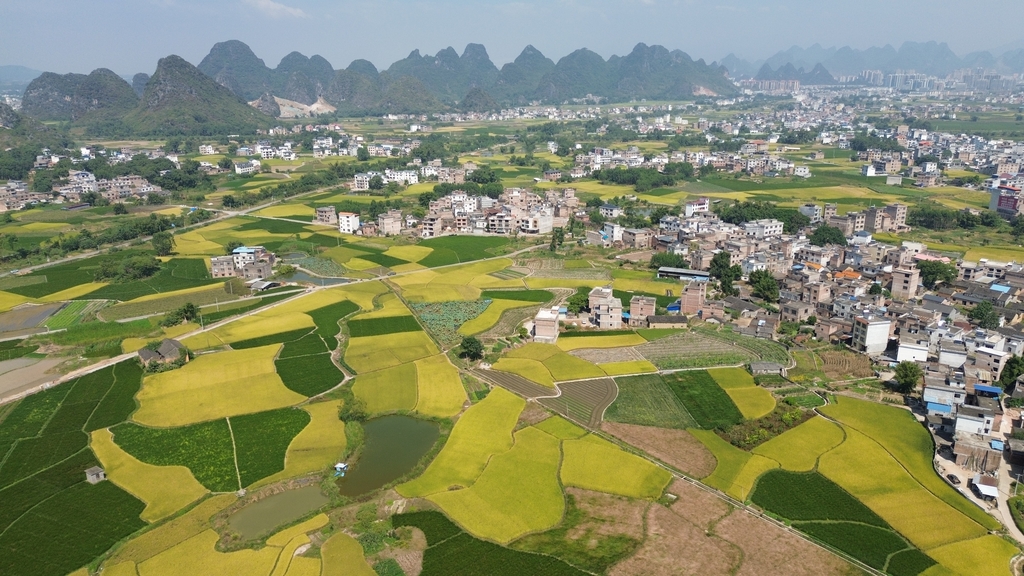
975, 452
95, 475
986, 486
758, 368
666, 321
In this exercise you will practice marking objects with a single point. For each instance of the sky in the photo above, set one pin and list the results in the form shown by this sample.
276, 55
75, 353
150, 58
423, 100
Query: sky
129, 36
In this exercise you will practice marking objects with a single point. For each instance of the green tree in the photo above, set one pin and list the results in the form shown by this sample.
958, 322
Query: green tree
934, 271
764, 285
472, 348
232, 245
225, 163
376, 183
362, 154
1011, 371
908, 376
824, 235
120, 208
720, 265
985, 315
875, 289
163, 243
578, 301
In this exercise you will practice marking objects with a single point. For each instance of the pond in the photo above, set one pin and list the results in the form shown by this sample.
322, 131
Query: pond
392, 447
300, 276
261, 517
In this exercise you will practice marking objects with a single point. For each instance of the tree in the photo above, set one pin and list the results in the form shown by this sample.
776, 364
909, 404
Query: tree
764, 285
908, 376
875, 289
985, 315
472, 348
1011, 371
362, 154
163, 243
824, 235
120, 208
720, 265
225, 163
376, 183
934, 271
578, 301
231, 246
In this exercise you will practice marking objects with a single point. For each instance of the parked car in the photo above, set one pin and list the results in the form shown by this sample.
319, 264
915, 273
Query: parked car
953, 479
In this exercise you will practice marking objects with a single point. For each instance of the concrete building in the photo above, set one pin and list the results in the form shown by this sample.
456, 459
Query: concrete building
812, 211
390, 223
545, 325
348, 222
692, 299
761, 229
222, 266
640, 307
871, 334
991, 359
905, 283
608, 314
326, 215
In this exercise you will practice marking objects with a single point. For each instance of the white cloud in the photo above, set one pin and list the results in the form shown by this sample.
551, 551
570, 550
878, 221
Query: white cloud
276, 9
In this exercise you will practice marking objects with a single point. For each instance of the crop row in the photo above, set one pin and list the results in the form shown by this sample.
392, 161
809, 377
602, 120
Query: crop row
308, 375
704, 399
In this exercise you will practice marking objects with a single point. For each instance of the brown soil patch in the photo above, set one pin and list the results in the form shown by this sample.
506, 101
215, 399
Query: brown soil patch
768, 549
608, 515
532, 414
605, 355
845, 365
676, 448
677, 547
696, 505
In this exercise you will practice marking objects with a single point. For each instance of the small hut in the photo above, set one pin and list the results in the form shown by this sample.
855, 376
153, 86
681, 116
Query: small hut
95, 475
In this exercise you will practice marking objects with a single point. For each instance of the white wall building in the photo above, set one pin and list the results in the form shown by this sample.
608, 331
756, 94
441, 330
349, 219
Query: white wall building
871, 334
348, 222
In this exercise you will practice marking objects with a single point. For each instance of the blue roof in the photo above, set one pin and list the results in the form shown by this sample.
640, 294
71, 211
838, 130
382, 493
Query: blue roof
1000, 288
933, 407
243, 250
998, 445
988, 389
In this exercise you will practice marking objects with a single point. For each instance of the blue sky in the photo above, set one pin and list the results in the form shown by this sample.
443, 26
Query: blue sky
129, 36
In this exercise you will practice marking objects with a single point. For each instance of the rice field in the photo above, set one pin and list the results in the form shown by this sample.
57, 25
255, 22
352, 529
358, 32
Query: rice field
164, 489
342, 555
532, 370
569, 344
798, 449
439, 387
517, 493
491, 316
260, 324
388, 390
481, 432
214, 386
594, 463
198, 555
752, 400
172, 532
625, 368
317, 446
372, 353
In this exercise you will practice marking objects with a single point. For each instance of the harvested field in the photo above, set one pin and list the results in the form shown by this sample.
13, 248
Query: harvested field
514, 383
846, 365
770, 550
584, 401
677, 448
614, 515
667, 535
27, 317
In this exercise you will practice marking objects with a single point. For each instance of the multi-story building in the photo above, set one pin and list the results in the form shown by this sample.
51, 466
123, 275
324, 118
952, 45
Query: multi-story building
326, 215
390, 223
348, 222
761, 229
640, 307
691, 300
871, 334
905, 282
545, 325
246, 262
812, 211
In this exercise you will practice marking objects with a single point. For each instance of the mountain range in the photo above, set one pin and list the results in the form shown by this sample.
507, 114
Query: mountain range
928, 57
817, 76
416, 84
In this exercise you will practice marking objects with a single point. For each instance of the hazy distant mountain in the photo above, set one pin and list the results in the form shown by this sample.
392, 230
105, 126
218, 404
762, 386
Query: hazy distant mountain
478, 100
817, 76
17, 75
75, 96
139, 82
926, 57
423, 83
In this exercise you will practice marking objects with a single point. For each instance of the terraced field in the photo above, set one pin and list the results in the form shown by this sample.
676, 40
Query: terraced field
584, 401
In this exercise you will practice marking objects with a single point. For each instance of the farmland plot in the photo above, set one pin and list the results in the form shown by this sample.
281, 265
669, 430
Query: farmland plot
588, 460
647, 401
690, 350
584, 401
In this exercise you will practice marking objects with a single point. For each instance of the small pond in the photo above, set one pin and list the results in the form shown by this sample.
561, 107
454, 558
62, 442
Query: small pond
300, 276
261, 517
392, 447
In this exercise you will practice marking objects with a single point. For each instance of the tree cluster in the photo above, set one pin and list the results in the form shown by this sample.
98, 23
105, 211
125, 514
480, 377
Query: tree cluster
127, 269
934, 272
724, 273
825, 235
740, 212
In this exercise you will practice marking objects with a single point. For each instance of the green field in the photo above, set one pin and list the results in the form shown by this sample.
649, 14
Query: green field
535, 296
52, 522
704, 399
647, 401
380, 326
456, 249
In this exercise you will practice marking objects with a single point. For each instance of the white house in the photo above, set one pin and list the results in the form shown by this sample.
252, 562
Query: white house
246, 168
348, 222
207, 150
871, 334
